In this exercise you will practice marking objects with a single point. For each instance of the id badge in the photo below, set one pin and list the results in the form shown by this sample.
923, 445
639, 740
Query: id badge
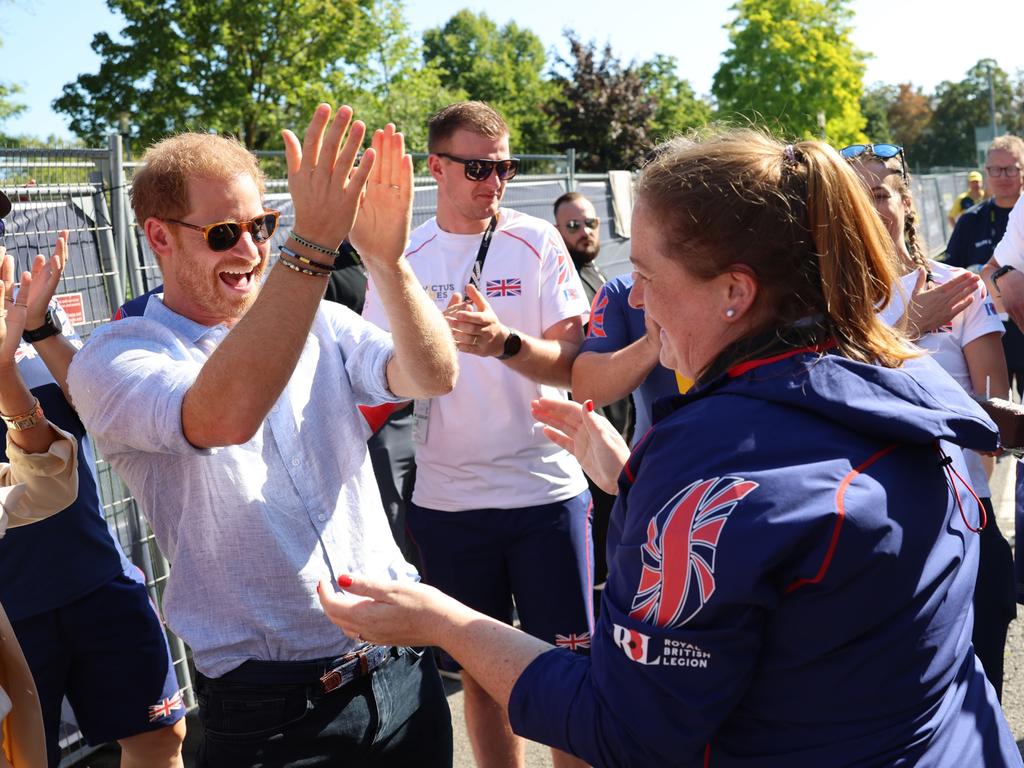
420, 421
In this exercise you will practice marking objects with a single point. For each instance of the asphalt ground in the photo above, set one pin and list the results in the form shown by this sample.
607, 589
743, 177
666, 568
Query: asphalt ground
538, 756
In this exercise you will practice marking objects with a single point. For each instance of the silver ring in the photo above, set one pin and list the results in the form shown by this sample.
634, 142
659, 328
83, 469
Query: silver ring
394, 186
359, 638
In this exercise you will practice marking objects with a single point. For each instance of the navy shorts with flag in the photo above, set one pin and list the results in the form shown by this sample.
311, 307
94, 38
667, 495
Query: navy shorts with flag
539, 557
108, 652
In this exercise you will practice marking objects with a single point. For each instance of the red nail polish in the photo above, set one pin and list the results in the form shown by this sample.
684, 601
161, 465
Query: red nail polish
318, 590
589, 405
344, 580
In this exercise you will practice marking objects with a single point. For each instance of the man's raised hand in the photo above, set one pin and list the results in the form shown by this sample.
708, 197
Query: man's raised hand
381, 229
324, 186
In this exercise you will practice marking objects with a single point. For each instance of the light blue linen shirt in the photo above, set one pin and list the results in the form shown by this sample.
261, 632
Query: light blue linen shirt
249, 529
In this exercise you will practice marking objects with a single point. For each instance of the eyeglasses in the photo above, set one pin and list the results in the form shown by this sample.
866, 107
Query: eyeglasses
222, 235
480, 170
1002, 170
881, 151
573, 224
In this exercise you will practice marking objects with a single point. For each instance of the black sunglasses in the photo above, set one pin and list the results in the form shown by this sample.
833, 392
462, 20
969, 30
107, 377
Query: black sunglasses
480, 170
881, 151
222, 235
573, 224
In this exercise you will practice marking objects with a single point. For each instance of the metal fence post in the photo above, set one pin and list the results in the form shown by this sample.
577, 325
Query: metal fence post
570, 169
119, 210
105, 241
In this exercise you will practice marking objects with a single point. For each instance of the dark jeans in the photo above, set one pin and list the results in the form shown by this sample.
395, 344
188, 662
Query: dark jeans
396, 716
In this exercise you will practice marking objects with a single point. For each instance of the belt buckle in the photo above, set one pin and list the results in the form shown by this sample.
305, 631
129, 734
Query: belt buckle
344, 673
332, 680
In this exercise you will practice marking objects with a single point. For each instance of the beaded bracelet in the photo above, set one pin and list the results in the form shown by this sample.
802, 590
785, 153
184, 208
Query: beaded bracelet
308, 262
311, 245
303, 270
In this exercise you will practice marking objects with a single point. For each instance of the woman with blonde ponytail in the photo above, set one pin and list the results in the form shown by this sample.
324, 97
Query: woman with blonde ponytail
791, 555
969, 348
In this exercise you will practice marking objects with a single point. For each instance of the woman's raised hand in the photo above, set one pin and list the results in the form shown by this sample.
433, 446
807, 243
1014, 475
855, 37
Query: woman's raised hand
596, 444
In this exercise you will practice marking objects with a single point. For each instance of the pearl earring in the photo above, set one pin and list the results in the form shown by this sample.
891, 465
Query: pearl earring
730, 312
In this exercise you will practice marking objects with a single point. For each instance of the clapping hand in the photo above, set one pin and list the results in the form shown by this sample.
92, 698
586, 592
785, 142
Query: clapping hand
932, 306
324, 184
474, 324
381, 230
596, 444
33, 295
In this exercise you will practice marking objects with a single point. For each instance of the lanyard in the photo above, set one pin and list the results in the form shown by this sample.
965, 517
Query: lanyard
481, 255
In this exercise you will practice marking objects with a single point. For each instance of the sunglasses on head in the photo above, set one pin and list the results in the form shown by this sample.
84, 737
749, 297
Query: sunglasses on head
881, 151
573, 224
222, 235
480, 170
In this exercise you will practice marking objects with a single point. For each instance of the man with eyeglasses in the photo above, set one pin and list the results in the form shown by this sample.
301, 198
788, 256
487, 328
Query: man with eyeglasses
499, 513
230, 410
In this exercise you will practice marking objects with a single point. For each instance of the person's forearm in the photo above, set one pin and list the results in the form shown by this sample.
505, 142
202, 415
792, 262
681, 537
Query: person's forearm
15, 400
494, 653
248, 371
424, 362
546, 361
605, 377
56, 353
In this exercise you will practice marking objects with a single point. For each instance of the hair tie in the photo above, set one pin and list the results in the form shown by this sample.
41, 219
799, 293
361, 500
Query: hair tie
790, 154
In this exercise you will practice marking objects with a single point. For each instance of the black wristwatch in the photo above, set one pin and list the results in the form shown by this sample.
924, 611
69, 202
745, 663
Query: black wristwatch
998, 273
513, 343
50, 327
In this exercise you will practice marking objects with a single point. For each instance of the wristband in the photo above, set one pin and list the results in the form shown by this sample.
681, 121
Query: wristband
303, 270
308, 262
311, 245
999, 273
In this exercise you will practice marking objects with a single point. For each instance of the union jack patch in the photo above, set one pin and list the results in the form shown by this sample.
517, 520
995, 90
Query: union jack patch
506, 286
573, 641
164, 708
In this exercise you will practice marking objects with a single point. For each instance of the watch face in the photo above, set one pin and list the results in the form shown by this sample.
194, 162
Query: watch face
513, 344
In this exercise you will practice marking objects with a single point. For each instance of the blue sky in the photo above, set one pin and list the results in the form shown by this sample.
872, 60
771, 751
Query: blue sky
46, 42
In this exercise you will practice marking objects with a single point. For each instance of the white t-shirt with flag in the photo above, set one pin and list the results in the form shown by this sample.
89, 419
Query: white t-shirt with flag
946, 344
483, 449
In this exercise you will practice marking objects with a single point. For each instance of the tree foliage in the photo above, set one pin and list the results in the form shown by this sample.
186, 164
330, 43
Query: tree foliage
394, 84
246, 67
874, 105
959, 108
909, 114
604, 108
677, 107
502, 66
788, 62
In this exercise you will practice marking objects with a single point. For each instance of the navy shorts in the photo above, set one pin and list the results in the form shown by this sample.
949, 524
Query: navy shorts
108, 653
539, 557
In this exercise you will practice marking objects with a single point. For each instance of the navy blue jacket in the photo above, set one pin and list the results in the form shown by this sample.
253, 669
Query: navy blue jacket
790, 583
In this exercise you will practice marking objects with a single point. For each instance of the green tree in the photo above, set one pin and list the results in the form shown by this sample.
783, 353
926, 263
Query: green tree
789, 62
603, 110
874, 105
502, 66
959, 108
8, 106
677, 107
394, 84
246, 67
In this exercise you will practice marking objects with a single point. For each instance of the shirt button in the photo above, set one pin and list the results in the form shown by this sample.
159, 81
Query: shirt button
296, 461
321, 517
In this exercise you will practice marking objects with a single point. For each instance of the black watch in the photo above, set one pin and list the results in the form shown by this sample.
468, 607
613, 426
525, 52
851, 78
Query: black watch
999, 273
513, 343
50, 327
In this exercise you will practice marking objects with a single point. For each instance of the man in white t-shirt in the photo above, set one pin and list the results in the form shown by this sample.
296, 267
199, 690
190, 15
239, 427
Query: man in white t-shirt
499, 512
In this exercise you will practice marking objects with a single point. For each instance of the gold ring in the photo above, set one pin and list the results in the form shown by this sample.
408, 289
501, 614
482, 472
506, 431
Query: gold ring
3, 313
9, 299
394, 186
